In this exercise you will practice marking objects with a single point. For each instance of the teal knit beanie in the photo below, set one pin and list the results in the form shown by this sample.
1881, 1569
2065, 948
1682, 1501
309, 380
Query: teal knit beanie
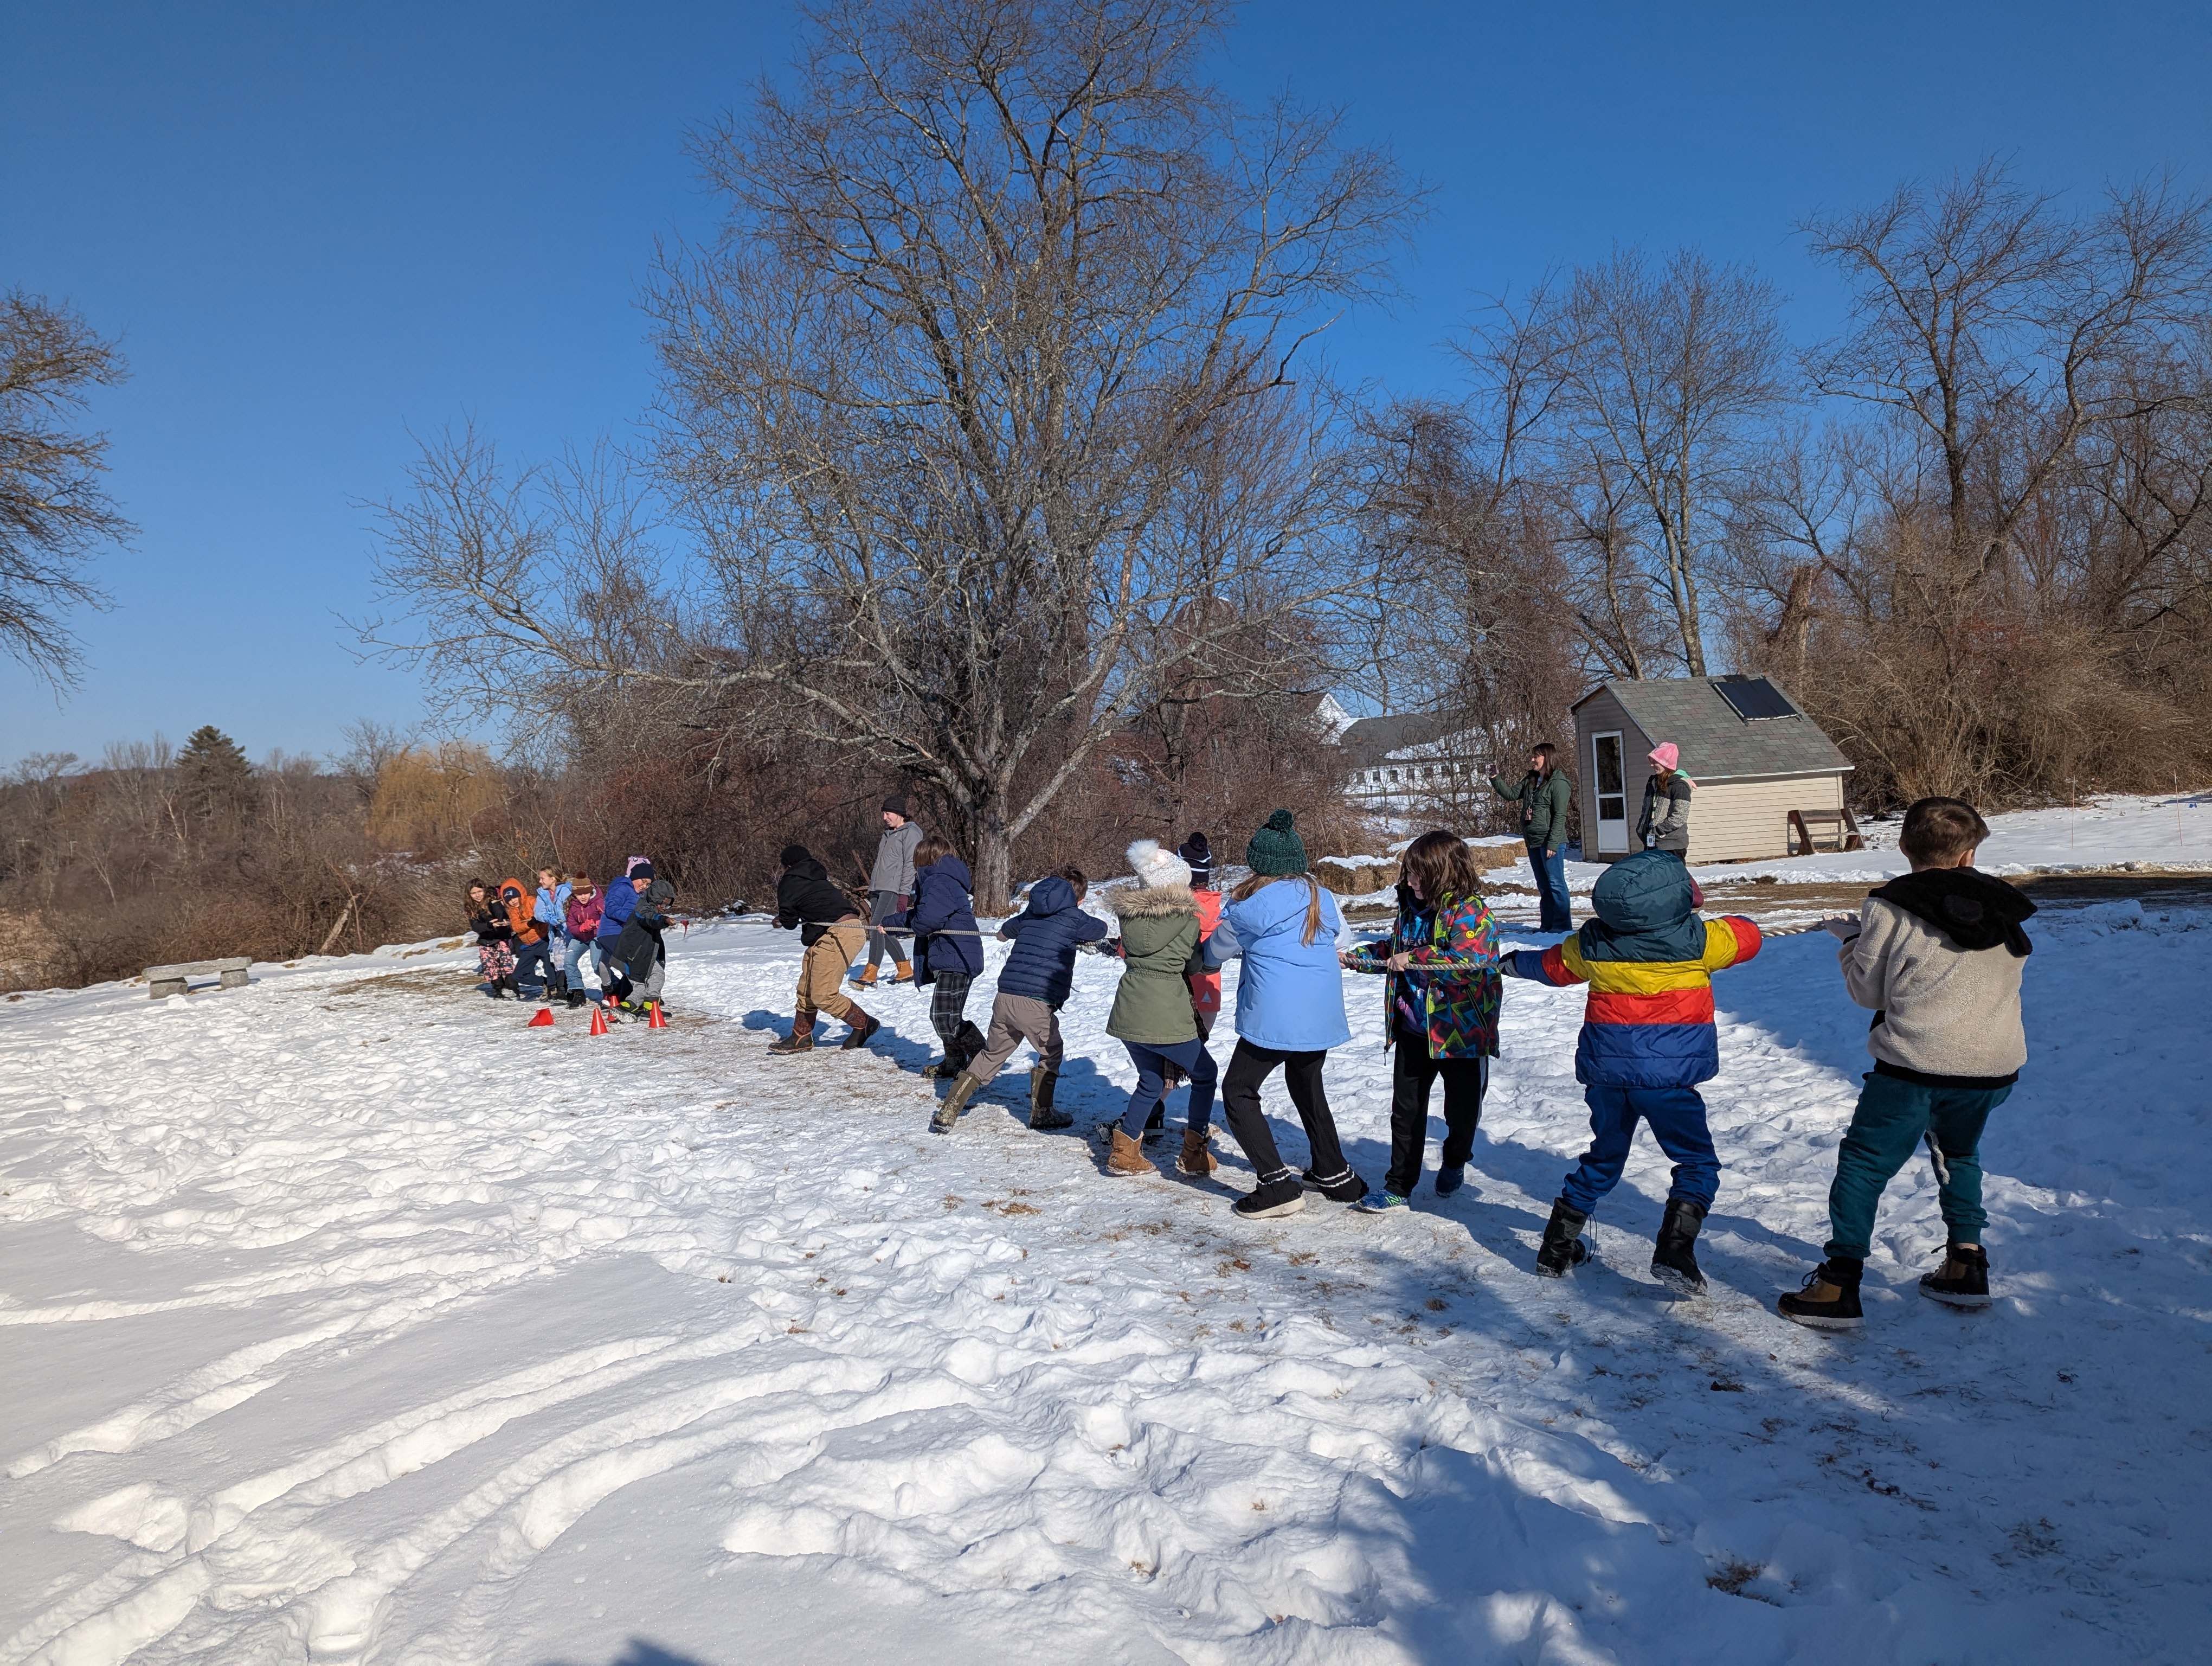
1276, 849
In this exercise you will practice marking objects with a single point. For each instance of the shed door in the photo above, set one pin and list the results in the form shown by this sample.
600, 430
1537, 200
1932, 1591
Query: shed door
1611, 793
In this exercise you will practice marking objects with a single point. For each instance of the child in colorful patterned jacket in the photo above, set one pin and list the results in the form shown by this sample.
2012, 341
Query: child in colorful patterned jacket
1648, 1040
1440, 1008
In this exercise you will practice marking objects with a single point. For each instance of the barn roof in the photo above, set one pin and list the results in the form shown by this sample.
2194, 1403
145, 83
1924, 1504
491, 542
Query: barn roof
1717, 742
1372, 740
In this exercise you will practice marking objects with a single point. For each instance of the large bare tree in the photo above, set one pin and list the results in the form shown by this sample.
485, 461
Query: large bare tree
54, 511
951, 405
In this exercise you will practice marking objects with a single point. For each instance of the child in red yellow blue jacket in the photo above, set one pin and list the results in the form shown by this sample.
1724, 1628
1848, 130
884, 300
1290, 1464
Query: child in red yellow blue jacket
1648, 1040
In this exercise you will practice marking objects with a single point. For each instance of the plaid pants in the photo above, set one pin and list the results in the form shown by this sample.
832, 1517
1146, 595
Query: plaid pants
948, 1002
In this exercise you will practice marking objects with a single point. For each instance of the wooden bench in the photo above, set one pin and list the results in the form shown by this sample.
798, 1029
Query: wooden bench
1835, 824
175, 980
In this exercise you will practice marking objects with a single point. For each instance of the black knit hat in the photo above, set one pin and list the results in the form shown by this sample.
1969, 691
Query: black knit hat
1199, 855
896, 805
793, 855
641, 869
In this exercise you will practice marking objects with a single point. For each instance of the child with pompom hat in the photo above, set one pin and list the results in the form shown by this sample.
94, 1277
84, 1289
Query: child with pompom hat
1290, 1011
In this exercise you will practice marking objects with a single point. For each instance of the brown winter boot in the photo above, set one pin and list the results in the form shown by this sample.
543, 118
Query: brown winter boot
905, 972
1197, 1157
864, 1027
1041, 1114
801, 1038
1127, 1157
866, 977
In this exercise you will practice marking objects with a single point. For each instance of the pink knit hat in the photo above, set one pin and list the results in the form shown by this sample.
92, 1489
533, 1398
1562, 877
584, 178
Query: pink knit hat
1665, 756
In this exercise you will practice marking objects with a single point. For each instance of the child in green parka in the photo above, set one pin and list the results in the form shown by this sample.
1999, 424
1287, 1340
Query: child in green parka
1152, 1013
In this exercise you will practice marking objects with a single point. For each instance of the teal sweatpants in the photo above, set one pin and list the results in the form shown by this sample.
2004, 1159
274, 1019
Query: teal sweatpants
1893, 1116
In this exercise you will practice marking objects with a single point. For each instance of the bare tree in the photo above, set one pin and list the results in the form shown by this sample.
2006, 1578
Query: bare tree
942, 405
53, 509
1990, 323
1669, 374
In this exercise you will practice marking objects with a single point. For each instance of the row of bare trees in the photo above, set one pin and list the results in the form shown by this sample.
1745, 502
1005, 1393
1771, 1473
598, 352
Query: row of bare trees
1973, 532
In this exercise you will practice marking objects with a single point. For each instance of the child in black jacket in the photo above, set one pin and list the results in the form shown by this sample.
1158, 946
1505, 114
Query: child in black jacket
834, 933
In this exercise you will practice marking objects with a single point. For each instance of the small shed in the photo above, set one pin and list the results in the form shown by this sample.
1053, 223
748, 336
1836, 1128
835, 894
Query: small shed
1768, 781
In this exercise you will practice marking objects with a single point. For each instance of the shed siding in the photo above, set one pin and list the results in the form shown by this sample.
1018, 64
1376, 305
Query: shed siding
1749, 821
1602, 714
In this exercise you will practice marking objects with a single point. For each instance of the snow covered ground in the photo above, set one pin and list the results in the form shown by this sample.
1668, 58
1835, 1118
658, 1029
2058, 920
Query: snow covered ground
343, 1319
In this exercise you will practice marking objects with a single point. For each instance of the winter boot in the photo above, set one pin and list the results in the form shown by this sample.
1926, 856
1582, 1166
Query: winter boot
905, 973
1450, 1178
1963, 1280
1829, 1300
1127, 1157
863, 1030
949, 1109
1563, 1246
557, 985
1197, 1157
970, 1040
866, 977
1042, 1116
576, 998
800, 1040
510, 988
1156, 1125
1271, 1198
1671, 1262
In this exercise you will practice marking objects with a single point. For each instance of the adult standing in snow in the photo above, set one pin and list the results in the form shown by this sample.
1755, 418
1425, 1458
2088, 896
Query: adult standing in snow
1153, 1016
1440, 997
1290, 1011
1033, 986
1544, 794
890, 890
948, 950
833, 932
1665, 823
1938, 955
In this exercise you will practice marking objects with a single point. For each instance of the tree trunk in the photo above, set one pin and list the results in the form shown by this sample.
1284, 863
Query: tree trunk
994, 859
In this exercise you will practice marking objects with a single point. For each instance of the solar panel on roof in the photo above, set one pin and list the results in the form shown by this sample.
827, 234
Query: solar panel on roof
1753, 698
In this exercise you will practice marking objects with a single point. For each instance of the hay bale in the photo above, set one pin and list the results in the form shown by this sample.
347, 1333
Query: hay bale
1359, 877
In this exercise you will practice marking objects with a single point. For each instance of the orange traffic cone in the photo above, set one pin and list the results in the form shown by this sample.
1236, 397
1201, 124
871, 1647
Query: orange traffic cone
543, 1021
598, 1019
659, 1020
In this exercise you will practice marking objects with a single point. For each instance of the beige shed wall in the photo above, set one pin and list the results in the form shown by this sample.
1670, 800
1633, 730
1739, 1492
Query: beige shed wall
1740, 821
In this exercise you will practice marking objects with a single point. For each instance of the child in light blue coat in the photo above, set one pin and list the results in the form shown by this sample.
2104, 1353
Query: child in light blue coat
1290, 1011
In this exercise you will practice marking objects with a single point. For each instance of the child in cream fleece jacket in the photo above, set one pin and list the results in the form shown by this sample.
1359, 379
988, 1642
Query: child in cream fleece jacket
1938, 955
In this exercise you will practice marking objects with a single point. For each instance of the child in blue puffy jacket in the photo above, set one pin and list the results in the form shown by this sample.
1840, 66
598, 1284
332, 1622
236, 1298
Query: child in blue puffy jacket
1033, 985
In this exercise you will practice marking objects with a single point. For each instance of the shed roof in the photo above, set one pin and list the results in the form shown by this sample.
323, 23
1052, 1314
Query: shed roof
1716, 742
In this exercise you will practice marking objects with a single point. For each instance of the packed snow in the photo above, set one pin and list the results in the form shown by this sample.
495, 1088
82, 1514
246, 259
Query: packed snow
347, 1320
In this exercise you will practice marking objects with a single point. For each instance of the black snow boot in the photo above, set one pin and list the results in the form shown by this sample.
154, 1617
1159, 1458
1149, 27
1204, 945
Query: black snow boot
1671, 1262
1563, 1246
577, 997
1042, 1115
1963, 1280
1270, 1199
507, 990
557, 985
1157, 1123
1829, 1300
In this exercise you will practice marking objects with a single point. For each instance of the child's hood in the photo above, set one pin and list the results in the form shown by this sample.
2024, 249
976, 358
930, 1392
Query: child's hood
1649, 897
953, 868
1143, 902
1051, 895
1274, 906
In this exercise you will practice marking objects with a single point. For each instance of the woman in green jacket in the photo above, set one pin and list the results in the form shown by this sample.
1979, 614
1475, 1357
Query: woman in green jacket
1544, 795
1152, 1014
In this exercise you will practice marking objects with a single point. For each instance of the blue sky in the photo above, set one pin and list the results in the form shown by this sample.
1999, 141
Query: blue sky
316, 228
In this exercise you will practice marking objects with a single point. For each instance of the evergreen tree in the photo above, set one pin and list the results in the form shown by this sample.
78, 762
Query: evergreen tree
217, 779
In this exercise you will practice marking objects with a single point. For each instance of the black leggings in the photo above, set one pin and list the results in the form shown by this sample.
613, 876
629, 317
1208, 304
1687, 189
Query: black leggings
1413, 1072
1250, 1065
